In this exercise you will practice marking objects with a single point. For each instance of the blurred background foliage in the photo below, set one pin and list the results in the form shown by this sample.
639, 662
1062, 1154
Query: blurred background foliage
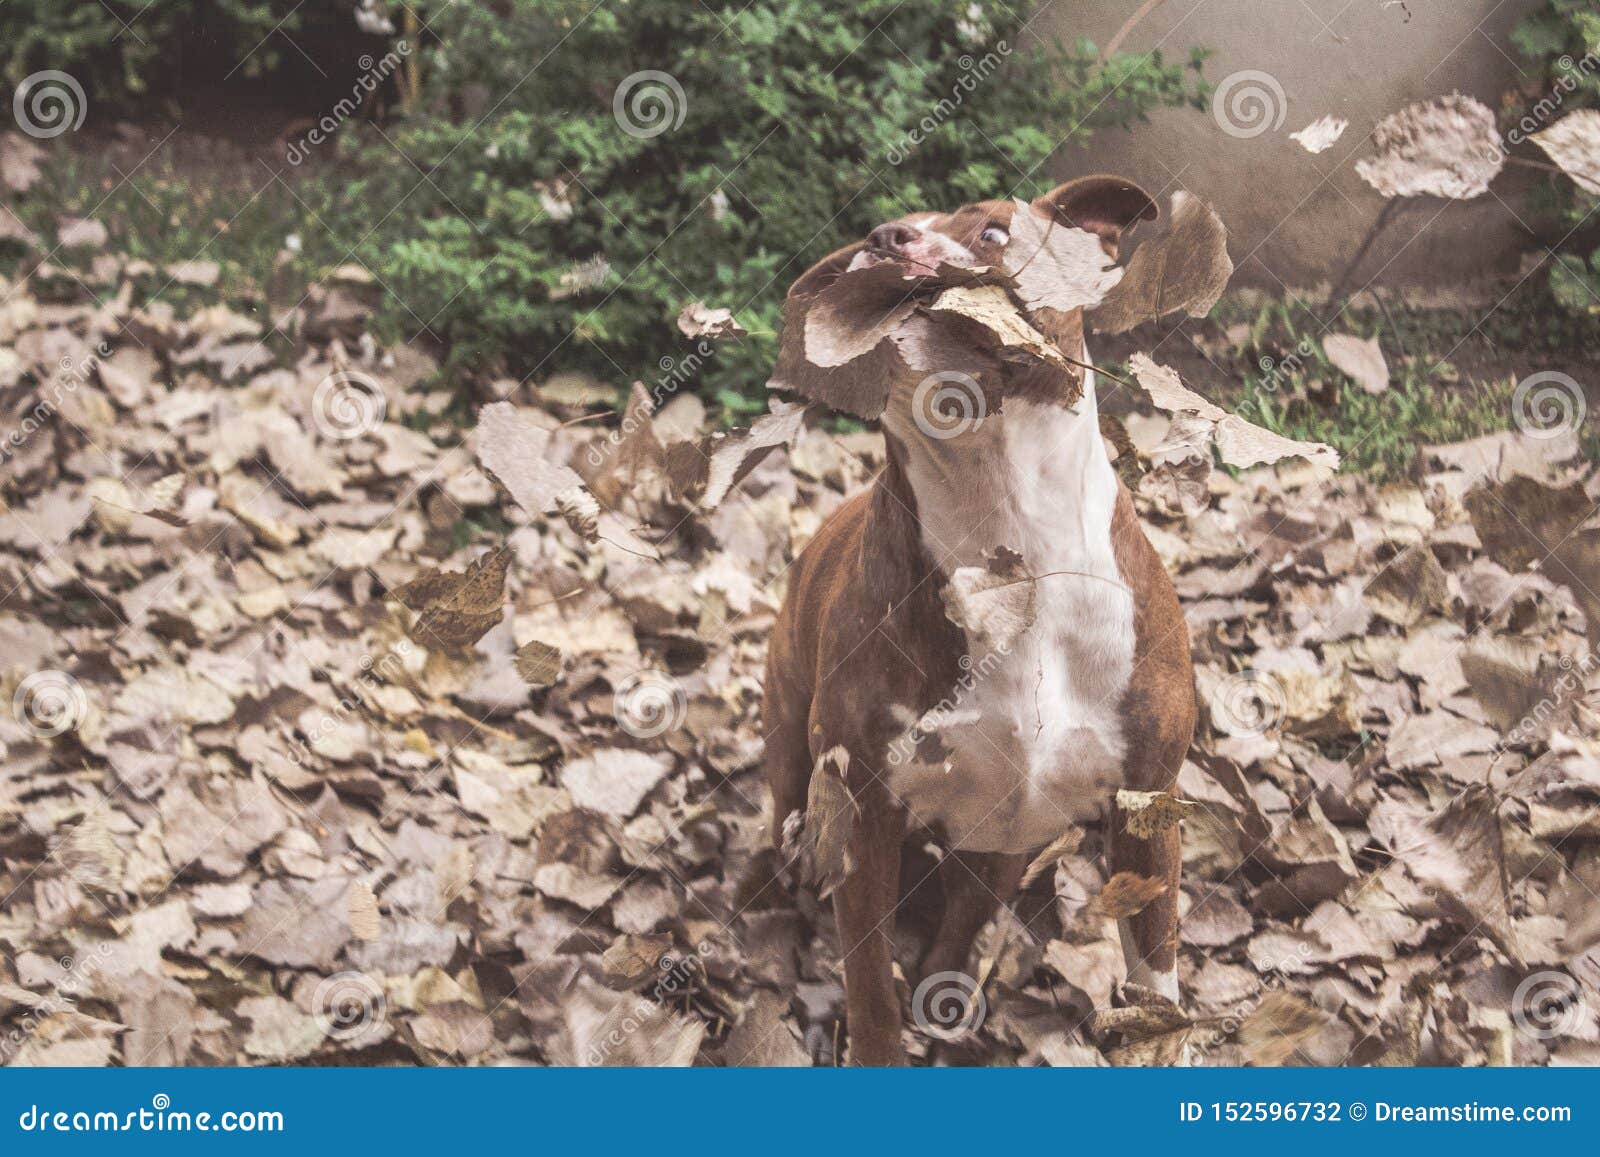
491, 190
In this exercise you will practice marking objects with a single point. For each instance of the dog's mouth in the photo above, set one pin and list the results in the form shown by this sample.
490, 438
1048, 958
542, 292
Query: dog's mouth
911, 266
917, 251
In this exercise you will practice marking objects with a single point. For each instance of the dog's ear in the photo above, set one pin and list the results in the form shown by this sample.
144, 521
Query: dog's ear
1103, 205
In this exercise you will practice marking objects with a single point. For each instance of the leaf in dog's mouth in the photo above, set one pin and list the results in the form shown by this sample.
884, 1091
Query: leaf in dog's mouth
857, 334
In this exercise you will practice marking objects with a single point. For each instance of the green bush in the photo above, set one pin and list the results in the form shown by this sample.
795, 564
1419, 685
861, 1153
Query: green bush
120, 50
1564, 37
529, 231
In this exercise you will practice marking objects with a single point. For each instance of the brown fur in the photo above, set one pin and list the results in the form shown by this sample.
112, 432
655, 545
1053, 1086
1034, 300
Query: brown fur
864, 626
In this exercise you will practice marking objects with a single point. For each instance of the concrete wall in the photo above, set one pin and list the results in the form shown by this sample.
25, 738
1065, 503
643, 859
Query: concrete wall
1295, 218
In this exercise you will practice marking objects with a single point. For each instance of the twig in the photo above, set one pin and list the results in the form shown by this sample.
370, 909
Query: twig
1390, 208
1121, 34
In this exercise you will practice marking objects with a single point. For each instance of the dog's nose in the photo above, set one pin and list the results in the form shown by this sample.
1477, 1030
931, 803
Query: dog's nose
891, 238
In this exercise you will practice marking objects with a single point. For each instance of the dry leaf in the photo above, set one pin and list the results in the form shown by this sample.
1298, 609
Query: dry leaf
1573, 143
538, 663
1186, 268
697, 319
1361, 358
1055, 266
1320, 135
1445, 147
1147, 814
457, 608
362, 908
994, 603
1240, 443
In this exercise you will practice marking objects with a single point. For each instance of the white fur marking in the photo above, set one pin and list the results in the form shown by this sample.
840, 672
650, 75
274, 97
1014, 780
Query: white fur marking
1045, 747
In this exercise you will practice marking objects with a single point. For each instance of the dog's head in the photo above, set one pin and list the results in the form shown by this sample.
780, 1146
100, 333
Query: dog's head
859, 372
977, 235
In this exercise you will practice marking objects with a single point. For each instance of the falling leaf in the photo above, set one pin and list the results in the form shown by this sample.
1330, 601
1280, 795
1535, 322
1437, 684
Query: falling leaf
697, 319
991, 308
1274, 1031
1361, 358
1445, 147
993, 603
826, 828
1126, 894
538, 663
513, 447
1240, 443
457, 608
1186, 268
1573, 143
1055, 266
1149, 813
1320, 134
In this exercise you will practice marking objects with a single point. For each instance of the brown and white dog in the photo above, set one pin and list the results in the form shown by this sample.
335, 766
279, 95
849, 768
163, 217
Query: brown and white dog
1097, 694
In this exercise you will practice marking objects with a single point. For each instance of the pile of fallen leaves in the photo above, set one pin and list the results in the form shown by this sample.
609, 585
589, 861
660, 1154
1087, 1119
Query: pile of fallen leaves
334, 738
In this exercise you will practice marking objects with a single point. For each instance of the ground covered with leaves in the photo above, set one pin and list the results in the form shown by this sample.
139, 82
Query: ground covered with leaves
336, 738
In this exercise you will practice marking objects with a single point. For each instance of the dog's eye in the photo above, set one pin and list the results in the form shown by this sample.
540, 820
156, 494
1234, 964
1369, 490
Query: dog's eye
995, 234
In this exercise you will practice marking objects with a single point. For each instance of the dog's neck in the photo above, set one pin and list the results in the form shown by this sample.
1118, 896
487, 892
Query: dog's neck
1033, 477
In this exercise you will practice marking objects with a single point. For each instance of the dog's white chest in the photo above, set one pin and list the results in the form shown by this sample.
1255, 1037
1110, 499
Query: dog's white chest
1030, 740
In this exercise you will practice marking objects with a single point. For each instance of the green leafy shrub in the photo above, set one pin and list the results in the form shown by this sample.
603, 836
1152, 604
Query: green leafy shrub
124, 49
1564, 37
523, 225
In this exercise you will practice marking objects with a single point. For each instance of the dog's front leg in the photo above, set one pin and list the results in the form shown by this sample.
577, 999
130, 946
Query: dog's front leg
976, 885
1150, 937
863, 906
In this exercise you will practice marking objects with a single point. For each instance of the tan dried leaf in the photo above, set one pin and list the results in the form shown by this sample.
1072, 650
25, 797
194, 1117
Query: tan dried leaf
1186, 268
1573, 143
1147, 814
1361, 358
362, 908
697, 319
1056, 266
457, 608
1444, 147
